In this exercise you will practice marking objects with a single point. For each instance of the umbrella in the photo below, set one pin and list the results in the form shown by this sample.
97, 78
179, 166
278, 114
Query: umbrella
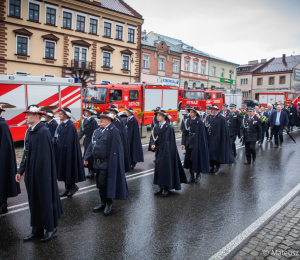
288, 133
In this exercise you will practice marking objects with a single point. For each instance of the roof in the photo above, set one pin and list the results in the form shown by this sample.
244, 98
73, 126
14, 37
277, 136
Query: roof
149, 41
188, 48
280, 64
120, 6
253, 67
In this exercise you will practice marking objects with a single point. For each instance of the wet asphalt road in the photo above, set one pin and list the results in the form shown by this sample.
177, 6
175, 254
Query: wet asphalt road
193, 223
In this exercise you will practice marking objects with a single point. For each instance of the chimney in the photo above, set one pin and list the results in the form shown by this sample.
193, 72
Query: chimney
252, 62
263, 60
283, 58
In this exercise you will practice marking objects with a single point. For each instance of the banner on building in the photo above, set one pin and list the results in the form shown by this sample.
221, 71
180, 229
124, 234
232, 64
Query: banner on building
166, 81
297, 74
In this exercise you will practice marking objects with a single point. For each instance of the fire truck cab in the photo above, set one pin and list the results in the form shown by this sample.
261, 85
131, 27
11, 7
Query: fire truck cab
143, 98
265, 98
201, 98
22, 91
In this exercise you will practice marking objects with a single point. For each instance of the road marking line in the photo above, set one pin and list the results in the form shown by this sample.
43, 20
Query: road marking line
233, 244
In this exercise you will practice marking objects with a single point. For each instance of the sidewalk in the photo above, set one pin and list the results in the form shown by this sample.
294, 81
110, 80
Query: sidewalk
279, 239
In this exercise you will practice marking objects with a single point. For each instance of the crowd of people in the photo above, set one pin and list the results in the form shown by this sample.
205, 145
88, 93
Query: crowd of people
113, 147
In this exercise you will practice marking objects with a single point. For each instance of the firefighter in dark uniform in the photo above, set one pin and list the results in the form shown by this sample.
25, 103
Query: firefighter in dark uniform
234, 122
185, 117
154, 121
251, 133
51, 123
224, 110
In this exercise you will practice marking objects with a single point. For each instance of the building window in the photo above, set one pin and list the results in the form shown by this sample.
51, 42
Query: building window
80, 54
230, 74
259, 81
282, 80
131, 34
106, 59
222, 73
213, 71
107, 29
271, 80
80, 23
245, 94
161, 64
49, 50
244, 81
187, 65
67, 20
146, 61
186, 85
125, 62
203, 69
175, 66
34, 12
195, 67
51, 16
15, 8
93, 26
119, 32
133, 95
22, 45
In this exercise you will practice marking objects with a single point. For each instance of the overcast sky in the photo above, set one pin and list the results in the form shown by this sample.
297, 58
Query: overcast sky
235, 30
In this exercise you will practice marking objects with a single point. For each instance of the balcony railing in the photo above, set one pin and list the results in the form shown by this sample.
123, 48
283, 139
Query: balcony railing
81, 65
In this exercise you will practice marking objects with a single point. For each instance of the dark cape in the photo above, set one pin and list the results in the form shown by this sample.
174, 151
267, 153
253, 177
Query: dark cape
87, 129
122, 128
135, 144
52, 127
200, 152
168, 169
293, 116
8, 164
38, 162
69, 163
219, 144
116, 180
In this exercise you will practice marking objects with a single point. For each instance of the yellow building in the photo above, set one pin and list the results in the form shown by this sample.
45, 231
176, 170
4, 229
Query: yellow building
95, 41
222, 74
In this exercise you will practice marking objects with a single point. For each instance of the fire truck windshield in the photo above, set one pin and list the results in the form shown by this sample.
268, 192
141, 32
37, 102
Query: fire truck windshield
95, 95
194, 95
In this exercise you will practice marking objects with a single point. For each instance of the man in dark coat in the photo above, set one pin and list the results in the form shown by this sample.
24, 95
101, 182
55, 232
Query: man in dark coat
68, 154
8, 186
89, 125
184, 118
51, 123
38, 164
263, 124
224, 110
106, 147
135, 144
168, 171
293, 116
278, 121
234, 122
154, 121
194, 128
220, 148
119, 123
269, 134
251, 133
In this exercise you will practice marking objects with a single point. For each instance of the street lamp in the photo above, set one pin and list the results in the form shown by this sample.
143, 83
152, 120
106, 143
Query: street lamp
132, 61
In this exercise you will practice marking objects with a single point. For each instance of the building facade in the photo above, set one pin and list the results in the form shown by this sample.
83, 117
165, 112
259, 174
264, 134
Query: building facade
161, 61
278, 74
93, 40
222, 74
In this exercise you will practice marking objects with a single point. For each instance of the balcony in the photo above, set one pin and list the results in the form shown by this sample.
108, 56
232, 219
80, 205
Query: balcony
81, 65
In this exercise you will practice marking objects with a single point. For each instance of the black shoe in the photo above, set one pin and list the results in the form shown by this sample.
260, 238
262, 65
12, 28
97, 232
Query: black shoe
3, 209
192, 178
234, 155
73, 189
211, 169
165, 192
198, 177
247, 162
108, 209
48, 235
159, 192
217, 168
90, 175
133, 166
100, 207
65, 193
32, 236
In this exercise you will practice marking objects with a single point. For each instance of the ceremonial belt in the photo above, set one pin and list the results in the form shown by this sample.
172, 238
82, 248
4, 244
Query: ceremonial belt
102, 160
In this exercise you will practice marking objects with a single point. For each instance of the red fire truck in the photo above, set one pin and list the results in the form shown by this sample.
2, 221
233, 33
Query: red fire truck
270, 97
200, 98
143, 98
22, 91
